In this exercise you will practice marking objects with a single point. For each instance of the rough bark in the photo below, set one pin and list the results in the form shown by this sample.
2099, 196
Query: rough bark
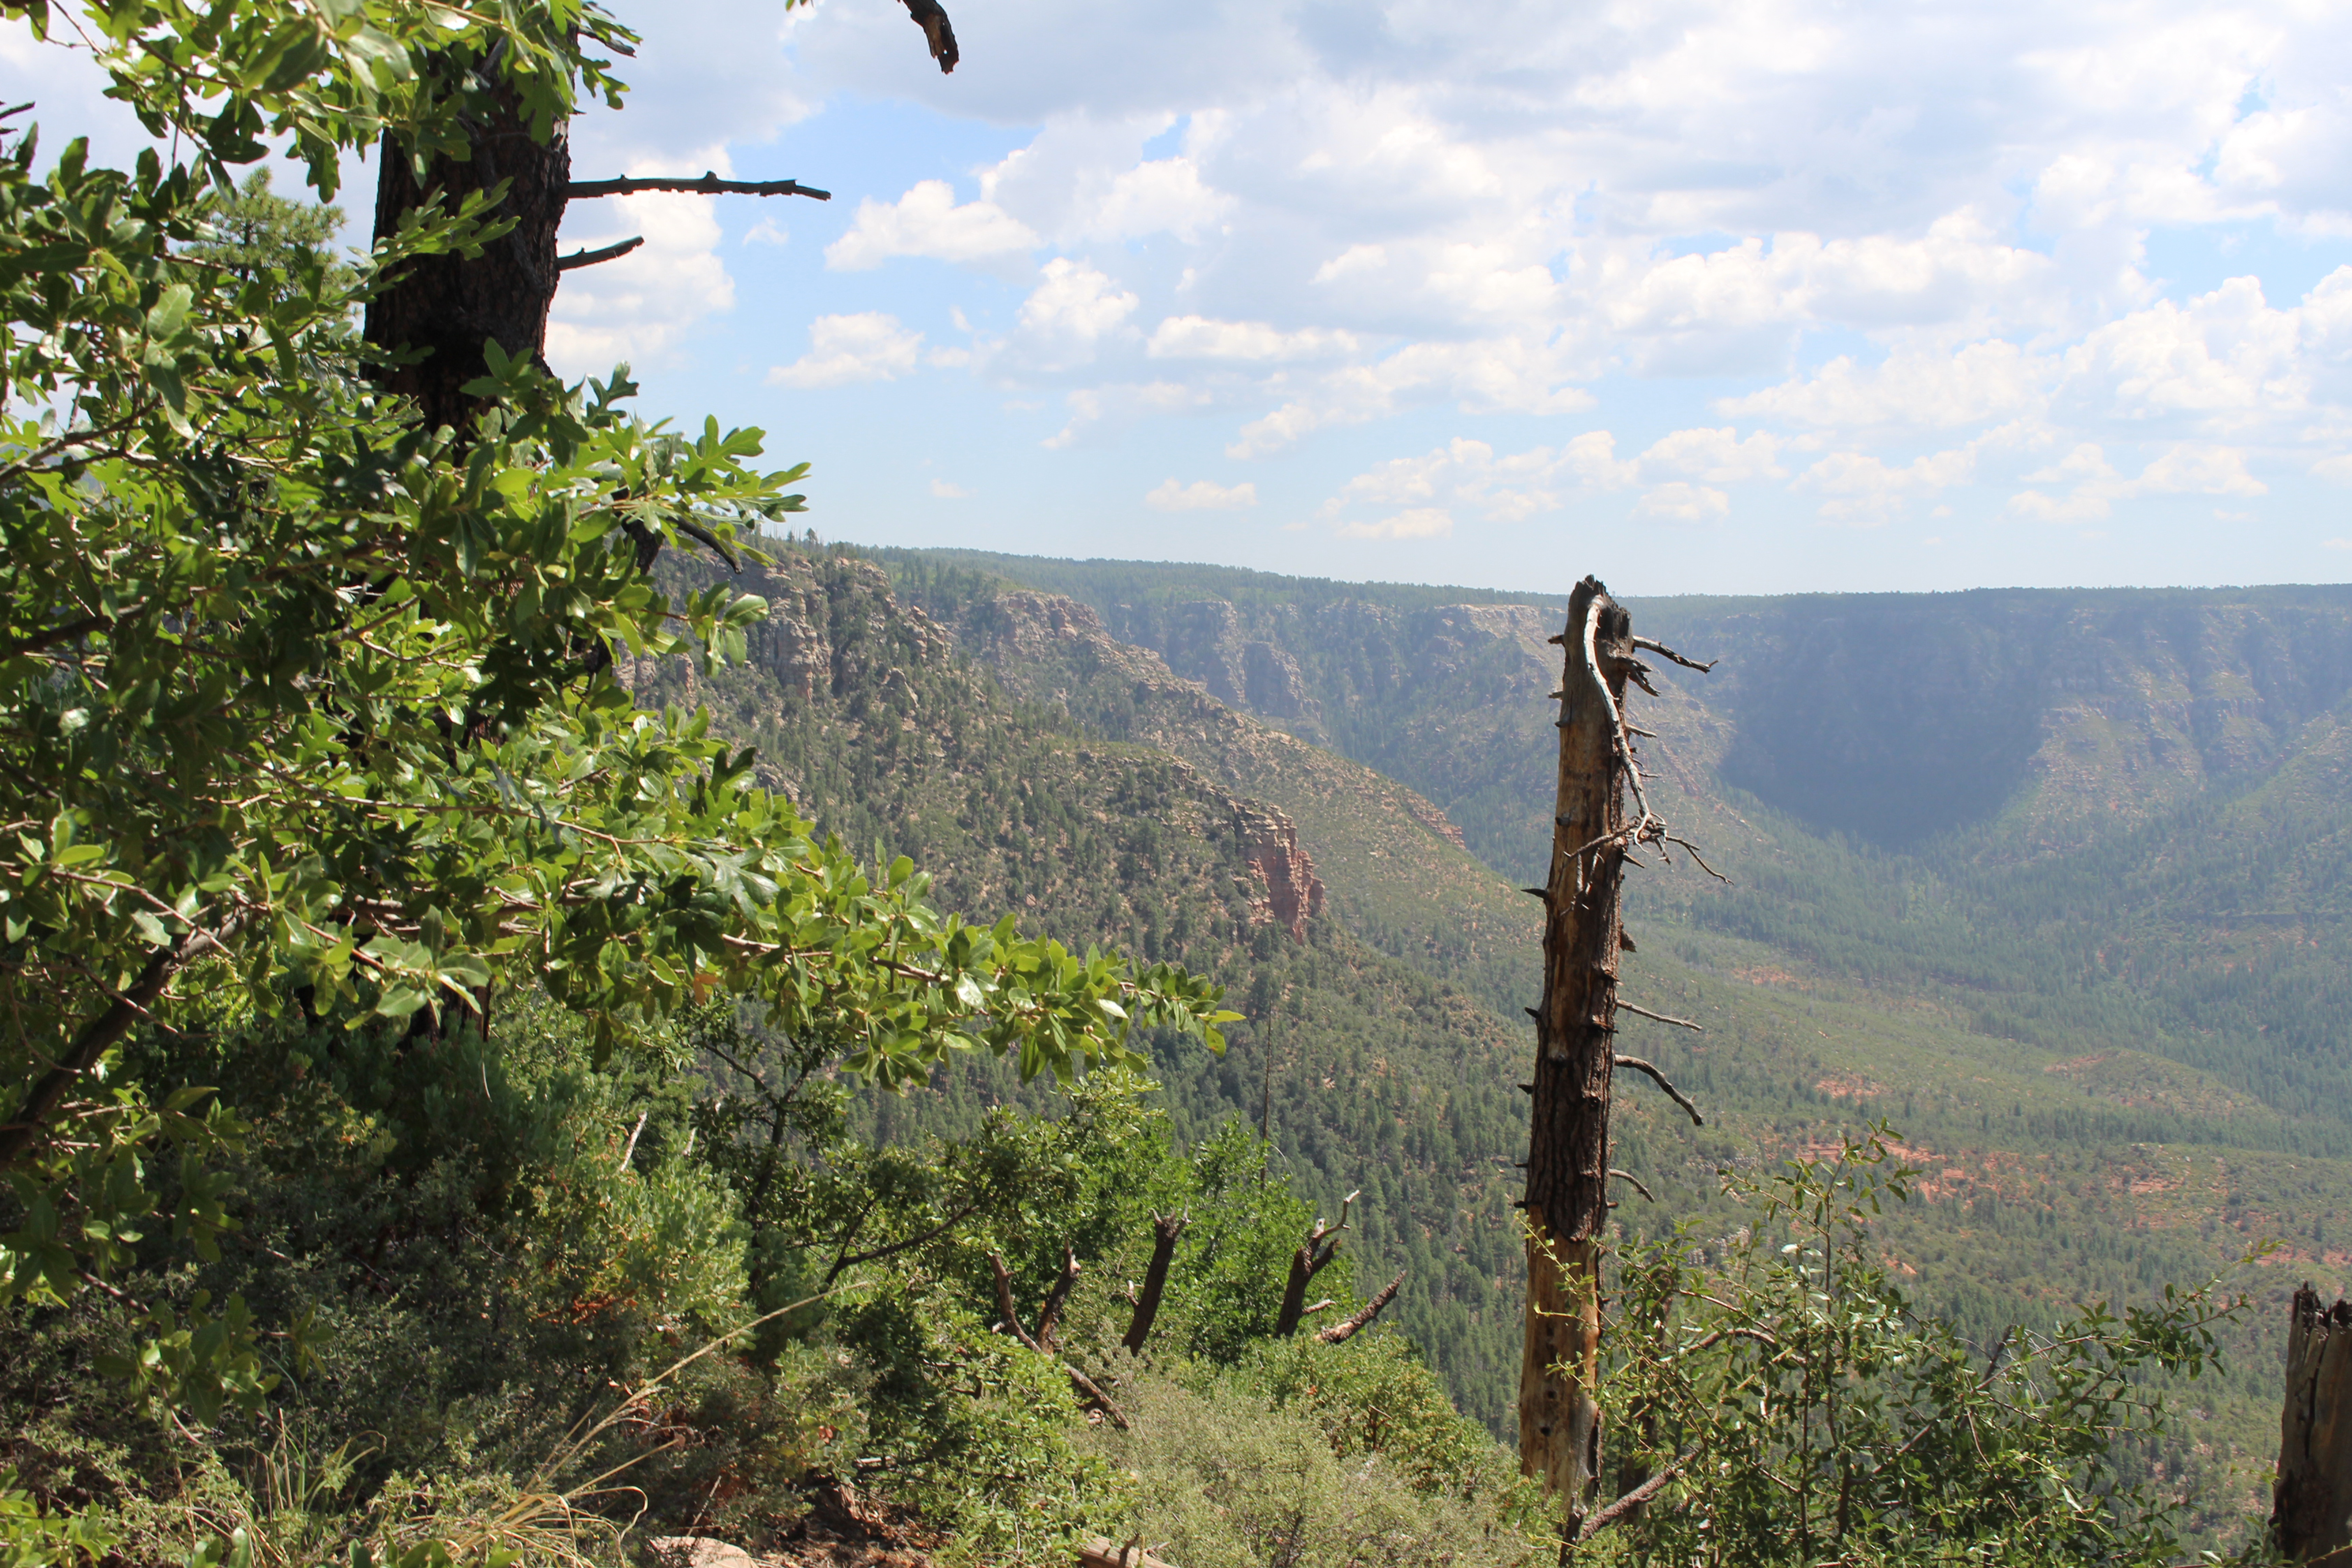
1166, 1230
1568, 1147
2311, 1503
446, 306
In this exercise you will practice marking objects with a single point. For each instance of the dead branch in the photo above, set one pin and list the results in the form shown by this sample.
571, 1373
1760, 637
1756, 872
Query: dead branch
1049, 1316
591, 258
937, 33
710, 184
1694, 855
848, 1261
1663, 1081
1086, 1388
1709, 1341
1636, 1181
1004, 1303
1341, 1334
1618, 738
705, 537
1659, 1017
1632, 1500
1652, 644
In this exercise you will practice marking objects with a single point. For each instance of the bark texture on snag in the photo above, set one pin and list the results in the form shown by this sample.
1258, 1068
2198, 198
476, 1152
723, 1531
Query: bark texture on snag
2311, 1504
451, 304
1566, 1198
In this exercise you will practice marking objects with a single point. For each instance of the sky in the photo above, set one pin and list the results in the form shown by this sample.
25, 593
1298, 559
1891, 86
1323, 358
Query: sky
1701, 296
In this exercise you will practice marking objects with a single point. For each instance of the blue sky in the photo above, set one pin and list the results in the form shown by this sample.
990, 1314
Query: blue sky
1703, 296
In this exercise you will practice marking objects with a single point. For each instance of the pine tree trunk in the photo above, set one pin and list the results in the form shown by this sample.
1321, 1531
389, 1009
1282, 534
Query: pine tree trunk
2310, 1506
1568, 1145
450, 305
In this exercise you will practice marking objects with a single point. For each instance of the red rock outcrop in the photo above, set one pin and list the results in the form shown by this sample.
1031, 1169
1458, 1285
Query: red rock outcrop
1293, 893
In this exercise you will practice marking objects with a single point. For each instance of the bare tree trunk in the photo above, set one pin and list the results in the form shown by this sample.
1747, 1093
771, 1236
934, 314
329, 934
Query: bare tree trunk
449, 305
1166, 1229
1568, 1145
2311, 1505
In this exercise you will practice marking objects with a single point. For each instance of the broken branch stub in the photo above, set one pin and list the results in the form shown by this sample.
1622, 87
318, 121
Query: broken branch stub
1341, 1334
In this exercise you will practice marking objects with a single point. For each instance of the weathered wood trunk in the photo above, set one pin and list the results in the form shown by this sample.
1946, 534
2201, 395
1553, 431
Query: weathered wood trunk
1568, 1145
449, 306
2311, 1504
1167, 1229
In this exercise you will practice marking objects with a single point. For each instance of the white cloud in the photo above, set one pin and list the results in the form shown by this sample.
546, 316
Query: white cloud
1715, 455
1511, 376
942, 490
1064, 321
1098, 413
1465, 475
1200, 495
1421, 522
1683, 502
2091, 483
844, 350
1295, 219
1196, 337
637, 307
1864, 489
2226, 356
926, 221
766, 232
1914, 386
1164, 197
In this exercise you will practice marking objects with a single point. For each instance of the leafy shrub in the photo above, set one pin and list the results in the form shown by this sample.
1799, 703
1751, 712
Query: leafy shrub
1220, 1476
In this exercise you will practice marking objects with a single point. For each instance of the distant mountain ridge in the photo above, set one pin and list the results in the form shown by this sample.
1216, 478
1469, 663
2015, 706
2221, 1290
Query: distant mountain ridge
1935, 711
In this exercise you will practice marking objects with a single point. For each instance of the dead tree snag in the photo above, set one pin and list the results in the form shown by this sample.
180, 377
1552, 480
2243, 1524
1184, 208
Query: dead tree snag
2311, 1504
1321, 1245
1167, 1229
1566, 1201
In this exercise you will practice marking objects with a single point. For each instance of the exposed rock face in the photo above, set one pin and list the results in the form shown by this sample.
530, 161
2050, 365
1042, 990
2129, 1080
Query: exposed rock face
1293, 893
1201, 646
1021, 628
1271, 682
